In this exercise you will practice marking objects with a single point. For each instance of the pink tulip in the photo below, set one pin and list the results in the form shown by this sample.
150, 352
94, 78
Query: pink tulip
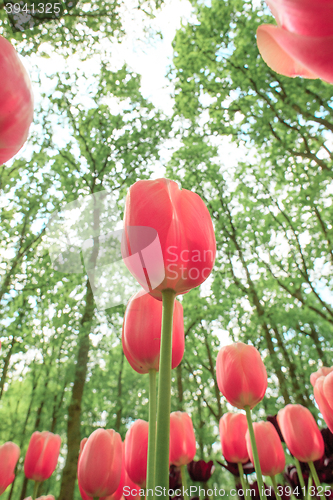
323, 393
136, 451
99, 465
42, 455
16, 102
270, 451
142, 333
233, 427
322, 372
47, 497
302, 43
169, 240
9, 455
241, 375
126, 485
301, 433
182, 439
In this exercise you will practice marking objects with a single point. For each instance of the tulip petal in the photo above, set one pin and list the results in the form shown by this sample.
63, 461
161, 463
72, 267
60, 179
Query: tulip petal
304, 17
276, 48
322, 402
328, 390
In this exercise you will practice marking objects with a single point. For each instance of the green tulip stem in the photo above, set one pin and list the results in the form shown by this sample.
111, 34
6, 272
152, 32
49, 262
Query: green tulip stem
151, 436
183, 475
164, 394
242, 479
255, 454
275, 486
316, 479
309, 486
299, 473
36, 487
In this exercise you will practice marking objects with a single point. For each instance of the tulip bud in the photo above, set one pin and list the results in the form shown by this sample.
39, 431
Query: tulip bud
136, 451
142, 333
200, 470
182, 439
241, 375
323, 393
233, 427
47, 497
270, 451
99, 466
301, 433
9, 455
169, 240
322, 372
16, 102
42, 455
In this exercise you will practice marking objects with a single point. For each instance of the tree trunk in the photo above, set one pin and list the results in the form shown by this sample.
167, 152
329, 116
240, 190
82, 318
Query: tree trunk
120, 406
180, 387
74, 409
6, 365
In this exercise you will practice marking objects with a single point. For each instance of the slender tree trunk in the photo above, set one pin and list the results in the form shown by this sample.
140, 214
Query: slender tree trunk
74, 409
56, 407
6, 365
180, 387
301, 394
120, 406
322, 355
213, 372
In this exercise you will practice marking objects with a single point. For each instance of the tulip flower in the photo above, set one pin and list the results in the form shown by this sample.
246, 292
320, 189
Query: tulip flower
323, 393
44, 497
172, 233
242, 378
126, 485
233, 427
322, 372
136, 451
9, 455
42, 455
182, 439
99, 465
16, 102
270, 451
169, 246
241, 375
200, 470
302, 42
301, 433
142, 333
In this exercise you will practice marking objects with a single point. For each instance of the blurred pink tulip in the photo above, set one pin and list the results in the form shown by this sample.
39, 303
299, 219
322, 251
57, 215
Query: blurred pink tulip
182, 439
47, 497
301, 433
322, 372
323, 393
136, 451
9, 455
233, 427
241, 375
99, 464
270, 451
302, 42
42, 455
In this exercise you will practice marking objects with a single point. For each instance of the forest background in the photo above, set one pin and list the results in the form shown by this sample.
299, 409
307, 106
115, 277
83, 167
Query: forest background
256, 146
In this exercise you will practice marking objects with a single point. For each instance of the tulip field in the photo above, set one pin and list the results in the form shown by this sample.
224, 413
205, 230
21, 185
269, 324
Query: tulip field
166, 288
